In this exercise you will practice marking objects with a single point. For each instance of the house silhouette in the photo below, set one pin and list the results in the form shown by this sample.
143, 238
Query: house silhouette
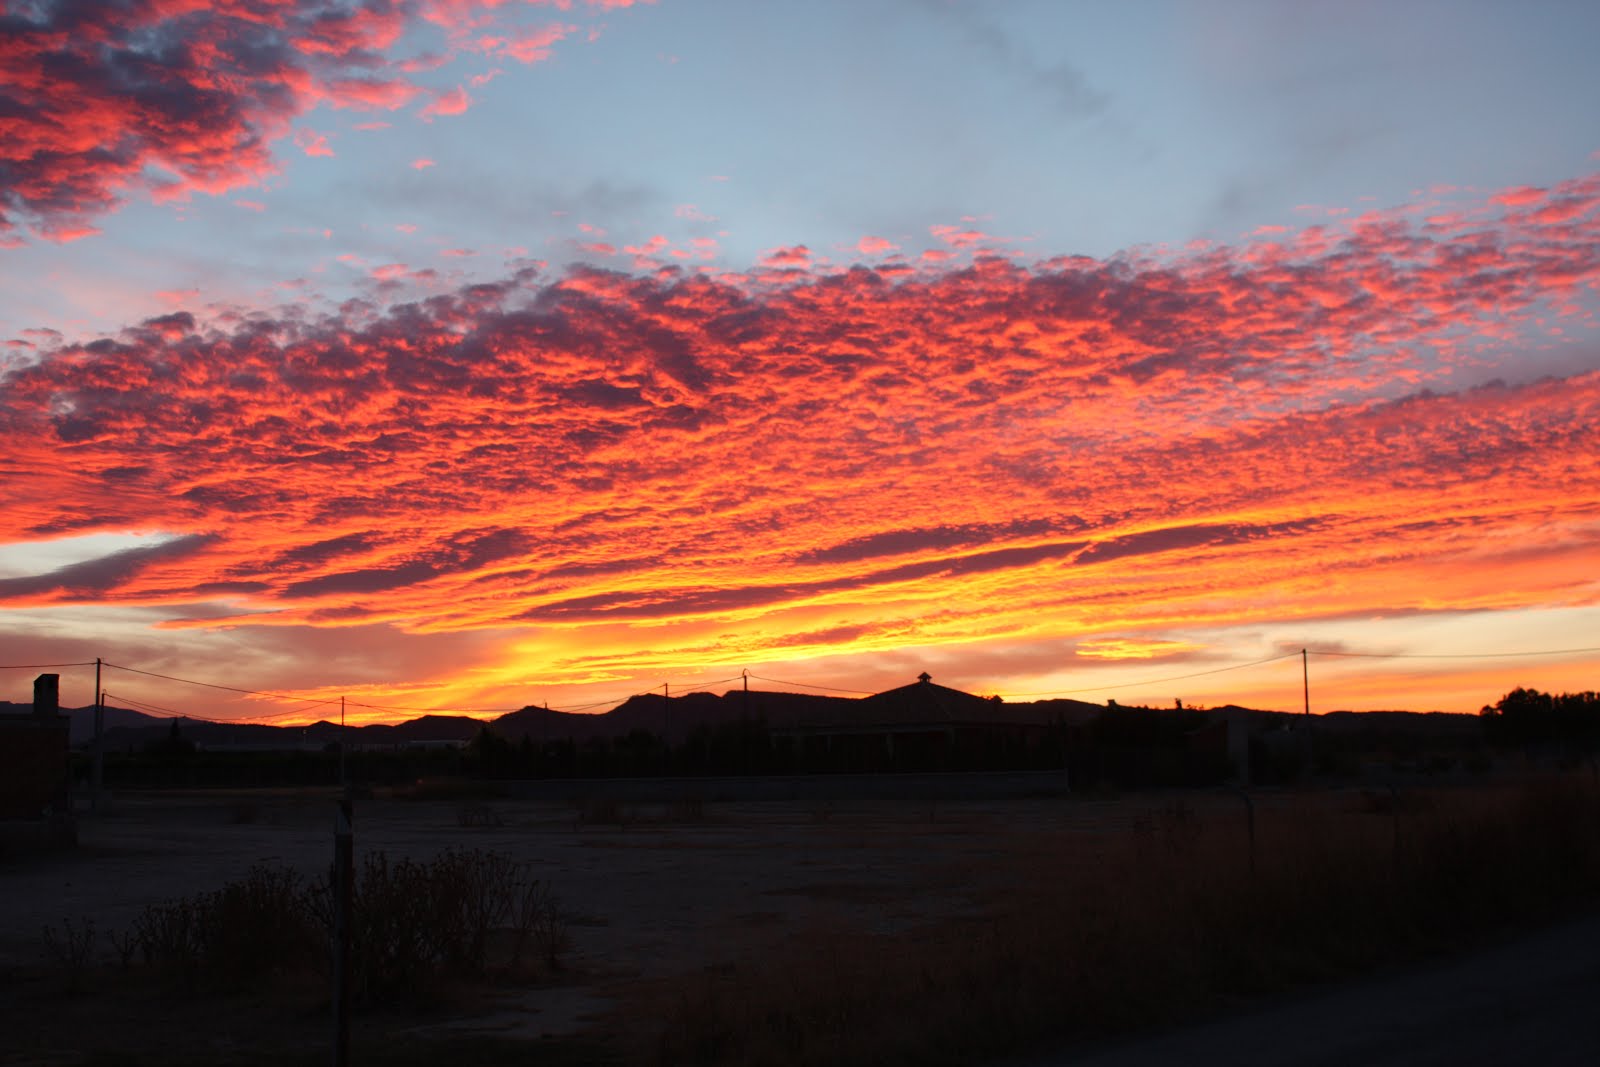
921, 725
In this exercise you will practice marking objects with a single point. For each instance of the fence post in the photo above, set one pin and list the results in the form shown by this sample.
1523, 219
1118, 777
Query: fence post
343, 892
1250, 825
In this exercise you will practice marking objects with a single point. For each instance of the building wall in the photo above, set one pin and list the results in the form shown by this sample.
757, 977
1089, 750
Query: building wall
33, 766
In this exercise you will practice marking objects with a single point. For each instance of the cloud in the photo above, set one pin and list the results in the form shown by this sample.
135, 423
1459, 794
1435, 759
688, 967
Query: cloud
798, 257
453, 102
111, 100
90, 579
1062, 83
312, 143
876, 246
532, 45
993, 451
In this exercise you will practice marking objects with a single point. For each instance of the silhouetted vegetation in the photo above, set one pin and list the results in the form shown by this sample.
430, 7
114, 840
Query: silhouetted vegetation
417, 926
1115, 747
1528, 717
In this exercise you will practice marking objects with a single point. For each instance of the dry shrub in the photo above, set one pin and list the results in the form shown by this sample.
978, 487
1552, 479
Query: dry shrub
416, 928
71, 946
604, 811
466, 914
477, 815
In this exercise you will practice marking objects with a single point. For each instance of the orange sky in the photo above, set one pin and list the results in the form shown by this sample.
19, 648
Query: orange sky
576, 483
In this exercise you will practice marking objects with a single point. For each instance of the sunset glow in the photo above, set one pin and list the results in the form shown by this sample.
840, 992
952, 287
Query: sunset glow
632, 443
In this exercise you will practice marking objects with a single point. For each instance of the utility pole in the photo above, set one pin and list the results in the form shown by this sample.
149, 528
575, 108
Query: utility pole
1305, 682
97, 777
344, 783
343, 901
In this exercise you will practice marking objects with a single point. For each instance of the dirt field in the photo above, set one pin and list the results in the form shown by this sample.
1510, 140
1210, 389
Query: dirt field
655, 883
658, 885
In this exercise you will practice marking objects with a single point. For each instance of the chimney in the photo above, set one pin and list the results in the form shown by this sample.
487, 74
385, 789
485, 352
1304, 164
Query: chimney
47, 696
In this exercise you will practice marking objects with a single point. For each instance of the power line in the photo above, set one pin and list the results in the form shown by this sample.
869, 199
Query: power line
584, 707
161, 712
1160, 681
1453, 655
165, 712
808, 685
213, 685
707, 685
430, 711
40, 666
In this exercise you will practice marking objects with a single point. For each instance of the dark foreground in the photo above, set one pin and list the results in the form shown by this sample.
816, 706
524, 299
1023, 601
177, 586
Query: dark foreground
1532, 999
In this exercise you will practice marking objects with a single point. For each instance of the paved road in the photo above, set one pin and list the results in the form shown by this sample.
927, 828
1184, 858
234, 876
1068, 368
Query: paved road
1534, 1000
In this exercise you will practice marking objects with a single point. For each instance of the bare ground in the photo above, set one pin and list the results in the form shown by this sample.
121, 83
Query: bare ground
655, 892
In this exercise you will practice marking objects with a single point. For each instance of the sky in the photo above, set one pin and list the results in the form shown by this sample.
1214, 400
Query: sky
460, 355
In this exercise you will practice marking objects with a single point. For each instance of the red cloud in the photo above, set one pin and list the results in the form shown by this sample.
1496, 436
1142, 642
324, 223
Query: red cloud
312, 143
528, 46
956, 237
104, 101
797, 257
961, 454
454, 102
1518, 197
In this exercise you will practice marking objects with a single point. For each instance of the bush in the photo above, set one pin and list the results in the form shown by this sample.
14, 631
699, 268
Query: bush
415, 927
72, 948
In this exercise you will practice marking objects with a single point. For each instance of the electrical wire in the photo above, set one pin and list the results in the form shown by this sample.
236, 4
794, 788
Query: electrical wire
1451, 655
164, 712
1160, 681
40, 666
807, 685
213, 685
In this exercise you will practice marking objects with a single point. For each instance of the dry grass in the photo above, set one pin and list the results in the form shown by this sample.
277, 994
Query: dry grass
1161, 923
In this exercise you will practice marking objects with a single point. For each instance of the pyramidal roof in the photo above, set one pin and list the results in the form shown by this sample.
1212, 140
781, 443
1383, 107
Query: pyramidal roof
923, 701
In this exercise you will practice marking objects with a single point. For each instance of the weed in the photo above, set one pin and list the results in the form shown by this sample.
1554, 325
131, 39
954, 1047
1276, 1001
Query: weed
473, 815
72, 947
604, 811
416, 926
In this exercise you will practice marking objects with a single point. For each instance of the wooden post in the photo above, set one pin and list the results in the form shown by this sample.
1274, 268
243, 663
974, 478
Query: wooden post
343, 897
97, 777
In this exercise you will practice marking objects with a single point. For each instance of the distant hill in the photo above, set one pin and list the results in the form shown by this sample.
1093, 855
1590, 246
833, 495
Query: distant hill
81, 727
678, 716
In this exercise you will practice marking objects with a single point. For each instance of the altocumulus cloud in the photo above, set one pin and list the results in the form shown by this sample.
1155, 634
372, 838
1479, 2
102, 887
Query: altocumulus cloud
172, 98
1025, 440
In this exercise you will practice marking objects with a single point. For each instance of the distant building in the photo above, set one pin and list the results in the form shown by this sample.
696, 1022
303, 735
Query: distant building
918, 725
33, 757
